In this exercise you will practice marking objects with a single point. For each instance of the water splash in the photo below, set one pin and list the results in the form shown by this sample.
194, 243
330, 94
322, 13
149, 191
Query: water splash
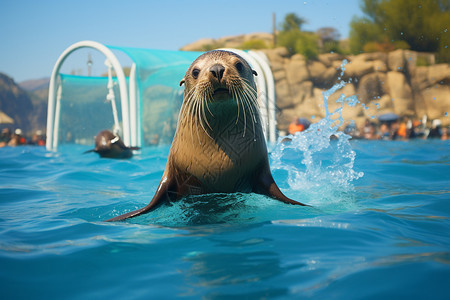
320, 160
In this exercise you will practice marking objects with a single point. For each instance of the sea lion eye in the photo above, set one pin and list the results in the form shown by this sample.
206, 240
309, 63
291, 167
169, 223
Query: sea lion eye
195, 73
239, 67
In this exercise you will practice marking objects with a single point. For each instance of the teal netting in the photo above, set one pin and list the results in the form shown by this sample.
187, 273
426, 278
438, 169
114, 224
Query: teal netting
84, 110
151, 102
158, 75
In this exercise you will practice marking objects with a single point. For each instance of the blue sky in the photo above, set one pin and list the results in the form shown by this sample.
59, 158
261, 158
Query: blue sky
35, 33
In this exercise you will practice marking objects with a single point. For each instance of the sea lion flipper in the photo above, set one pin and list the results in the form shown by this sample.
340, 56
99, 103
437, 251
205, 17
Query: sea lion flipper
89, 151
267, 186
160, 196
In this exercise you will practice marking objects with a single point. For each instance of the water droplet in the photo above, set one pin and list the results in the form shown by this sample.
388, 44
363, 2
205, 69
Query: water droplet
445, 30
401, 33
304, 3
445, 114
434, 98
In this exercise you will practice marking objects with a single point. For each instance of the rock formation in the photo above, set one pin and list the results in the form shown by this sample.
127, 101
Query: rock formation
382, 82
28, 114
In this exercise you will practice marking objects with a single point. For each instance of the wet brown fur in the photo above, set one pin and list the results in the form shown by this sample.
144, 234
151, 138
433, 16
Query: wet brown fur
219, 145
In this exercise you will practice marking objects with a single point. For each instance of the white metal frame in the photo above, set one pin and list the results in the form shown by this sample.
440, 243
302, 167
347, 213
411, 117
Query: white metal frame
270, 96
53, 101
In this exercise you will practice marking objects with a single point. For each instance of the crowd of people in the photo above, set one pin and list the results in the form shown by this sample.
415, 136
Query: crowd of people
404, 129
17, 138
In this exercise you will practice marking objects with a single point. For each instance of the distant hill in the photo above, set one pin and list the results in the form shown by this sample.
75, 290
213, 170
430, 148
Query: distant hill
35, 84
242, 41
38, 91
28, 109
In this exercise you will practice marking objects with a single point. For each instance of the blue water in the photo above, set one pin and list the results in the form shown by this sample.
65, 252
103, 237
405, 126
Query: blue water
379, 227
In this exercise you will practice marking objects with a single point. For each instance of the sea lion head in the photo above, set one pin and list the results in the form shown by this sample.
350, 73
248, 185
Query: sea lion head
219, 75
104, 141
110, 145
219, 82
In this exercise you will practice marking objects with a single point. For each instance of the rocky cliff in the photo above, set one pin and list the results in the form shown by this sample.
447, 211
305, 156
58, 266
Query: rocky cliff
27, 111
382, 82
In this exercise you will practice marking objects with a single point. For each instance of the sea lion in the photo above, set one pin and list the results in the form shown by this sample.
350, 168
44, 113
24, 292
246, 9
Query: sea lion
219, 145
109, 145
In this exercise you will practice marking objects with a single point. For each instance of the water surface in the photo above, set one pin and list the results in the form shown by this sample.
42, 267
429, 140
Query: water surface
380, 231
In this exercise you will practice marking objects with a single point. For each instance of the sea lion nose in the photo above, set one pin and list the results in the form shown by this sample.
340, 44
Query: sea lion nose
217, 71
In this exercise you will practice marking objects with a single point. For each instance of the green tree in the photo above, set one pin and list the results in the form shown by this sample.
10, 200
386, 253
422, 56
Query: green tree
328, 39
306, 44
421, 24
292, 22
295, 40
362, 32
253, 44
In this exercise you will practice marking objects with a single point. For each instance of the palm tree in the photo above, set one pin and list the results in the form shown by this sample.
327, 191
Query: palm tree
292, 22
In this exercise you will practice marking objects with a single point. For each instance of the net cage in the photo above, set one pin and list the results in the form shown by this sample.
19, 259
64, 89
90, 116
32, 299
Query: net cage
141, 106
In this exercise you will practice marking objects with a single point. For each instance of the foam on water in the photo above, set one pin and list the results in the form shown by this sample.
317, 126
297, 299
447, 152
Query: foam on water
322, 166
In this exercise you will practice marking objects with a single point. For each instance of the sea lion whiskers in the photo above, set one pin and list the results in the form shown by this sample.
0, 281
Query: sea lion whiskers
208, 98
196, 116
241, 91
235, 96
239, 101
198, 119
251, 93
201, 117
187, 110
195, 109
250, 99
203, 100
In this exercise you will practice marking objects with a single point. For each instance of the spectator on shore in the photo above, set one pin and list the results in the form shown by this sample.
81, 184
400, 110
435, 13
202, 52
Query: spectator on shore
369, 131
38, 139
5, 137
296, 126
17, 138
444, 135
402, 131
385, 132
435, 131
352, 131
